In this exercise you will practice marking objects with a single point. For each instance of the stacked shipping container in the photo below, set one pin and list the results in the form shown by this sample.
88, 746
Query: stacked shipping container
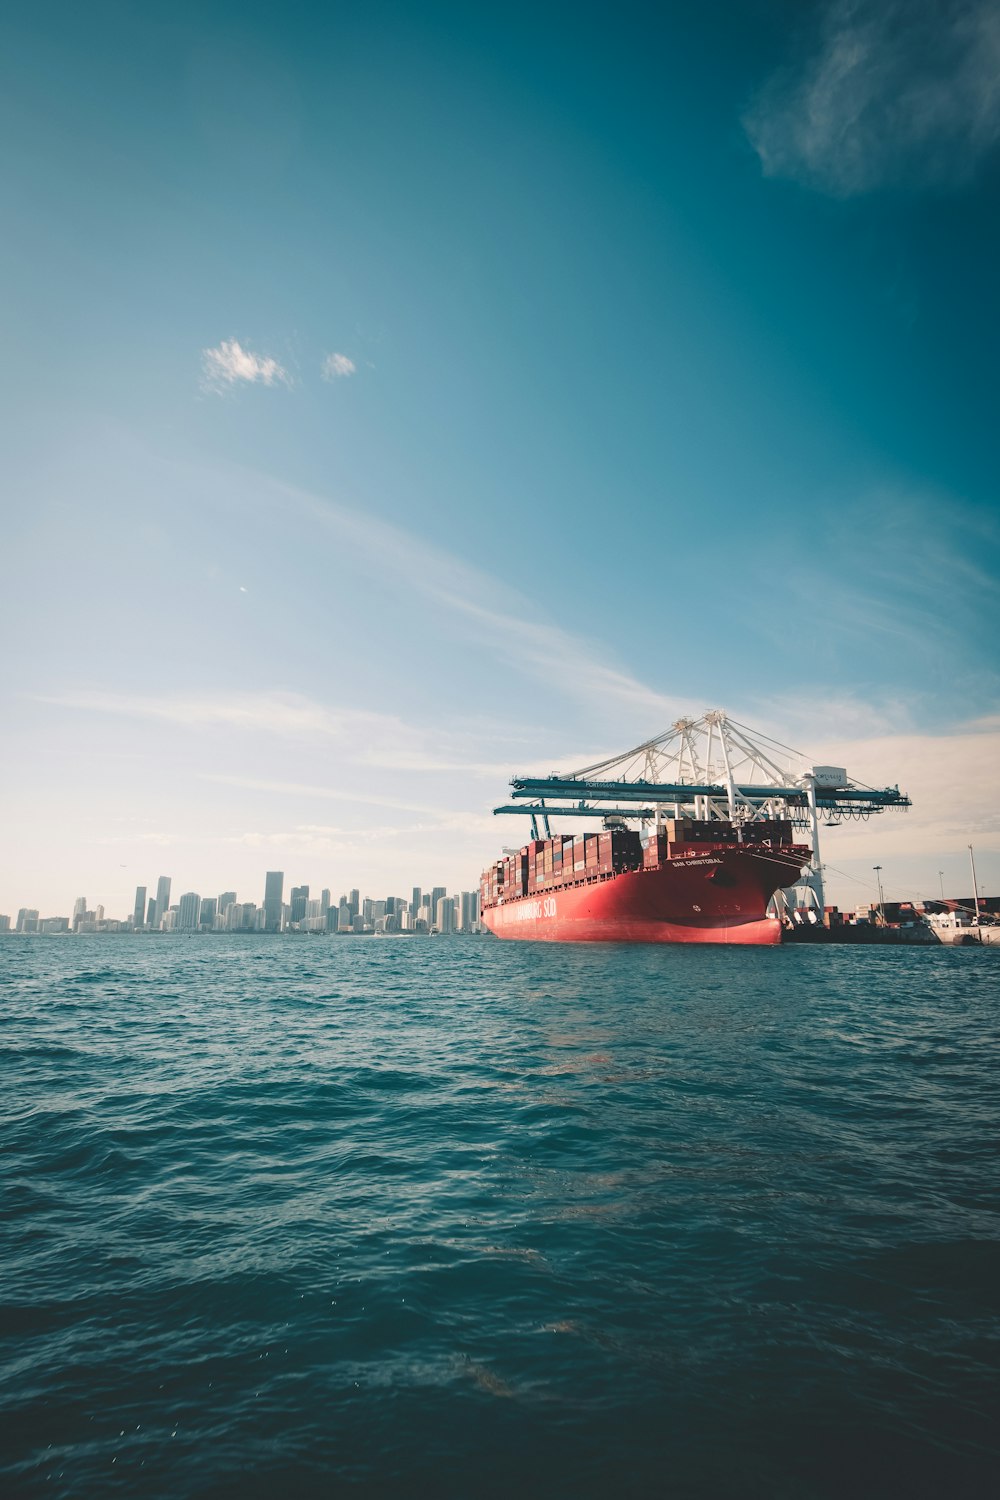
548, 864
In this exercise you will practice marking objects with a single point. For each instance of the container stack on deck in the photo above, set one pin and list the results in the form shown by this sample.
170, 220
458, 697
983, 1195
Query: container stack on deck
548, 864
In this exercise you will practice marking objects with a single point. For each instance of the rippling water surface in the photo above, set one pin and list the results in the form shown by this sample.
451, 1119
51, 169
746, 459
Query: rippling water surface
460, 1217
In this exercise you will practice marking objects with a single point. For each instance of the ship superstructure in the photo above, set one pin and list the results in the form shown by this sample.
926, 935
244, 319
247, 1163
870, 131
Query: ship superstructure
721, 814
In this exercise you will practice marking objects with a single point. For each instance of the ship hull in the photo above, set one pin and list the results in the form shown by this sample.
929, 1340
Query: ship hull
717, 898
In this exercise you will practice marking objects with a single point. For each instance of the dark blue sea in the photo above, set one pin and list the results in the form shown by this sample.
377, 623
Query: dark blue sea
454, 1217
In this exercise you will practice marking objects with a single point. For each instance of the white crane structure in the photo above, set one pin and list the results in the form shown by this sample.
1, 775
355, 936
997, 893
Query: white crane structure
711, 767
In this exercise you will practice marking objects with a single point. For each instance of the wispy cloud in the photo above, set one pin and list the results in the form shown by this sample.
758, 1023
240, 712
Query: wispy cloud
904, 574
579, 666
314, 790
230, 364
275, 713
951, 779
363, 737
337, 366
805, 718
892, 92
322, 838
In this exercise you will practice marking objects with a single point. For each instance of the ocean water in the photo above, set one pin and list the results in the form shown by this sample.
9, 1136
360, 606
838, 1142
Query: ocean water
465, 1218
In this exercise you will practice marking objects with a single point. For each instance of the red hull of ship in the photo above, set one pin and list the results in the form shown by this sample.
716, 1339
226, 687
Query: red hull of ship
720, 897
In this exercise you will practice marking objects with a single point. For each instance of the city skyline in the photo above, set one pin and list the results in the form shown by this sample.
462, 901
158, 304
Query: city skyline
424, 911
424, 397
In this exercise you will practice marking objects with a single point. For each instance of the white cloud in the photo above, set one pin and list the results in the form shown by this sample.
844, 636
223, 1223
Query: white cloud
545, 651
310, 791
276, 713
951, 779
329, 838
895, 92
336, 366
230, 363
365, 738
921, 588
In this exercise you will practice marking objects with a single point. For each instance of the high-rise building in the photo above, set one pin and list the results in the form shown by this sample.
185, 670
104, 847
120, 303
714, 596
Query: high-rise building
27, 920
139, 911
274, 884
324, 901
209, 908
444, 914
416, 899
354, 903
299, 897
151, 914
225, 898
468, 910
4, 924
188, 911
162, 900
436, 894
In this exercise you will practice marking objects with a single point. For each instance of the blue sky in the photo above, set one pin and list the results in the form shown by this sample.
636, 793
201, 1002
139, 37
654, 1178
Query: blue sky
398, 397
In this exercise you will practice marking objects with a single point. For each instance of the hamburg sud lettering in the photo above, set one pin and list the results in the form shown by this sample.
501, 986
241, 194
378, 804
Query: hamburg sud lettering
527, 911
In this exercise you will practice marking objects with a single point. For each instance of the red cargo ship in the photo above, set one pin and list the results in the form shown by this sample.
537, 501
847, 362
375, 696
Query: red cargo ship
691, 882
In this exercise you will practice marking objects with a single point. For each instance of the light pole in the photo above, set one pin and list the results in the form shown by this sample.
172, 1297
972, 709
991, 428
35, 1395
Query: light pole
975, 883
941, 882
881, 900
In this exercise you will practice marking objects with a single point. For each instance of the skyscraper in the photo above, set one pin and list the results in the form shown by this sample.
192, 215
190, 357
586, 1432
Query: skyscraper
298, 899
139, 913
444, 915
162, 899
274, 884
416, 899
189, 911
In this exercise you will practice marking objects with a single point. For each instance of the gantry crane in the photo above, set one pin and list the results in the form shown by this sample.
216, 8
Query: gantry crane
707, 768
